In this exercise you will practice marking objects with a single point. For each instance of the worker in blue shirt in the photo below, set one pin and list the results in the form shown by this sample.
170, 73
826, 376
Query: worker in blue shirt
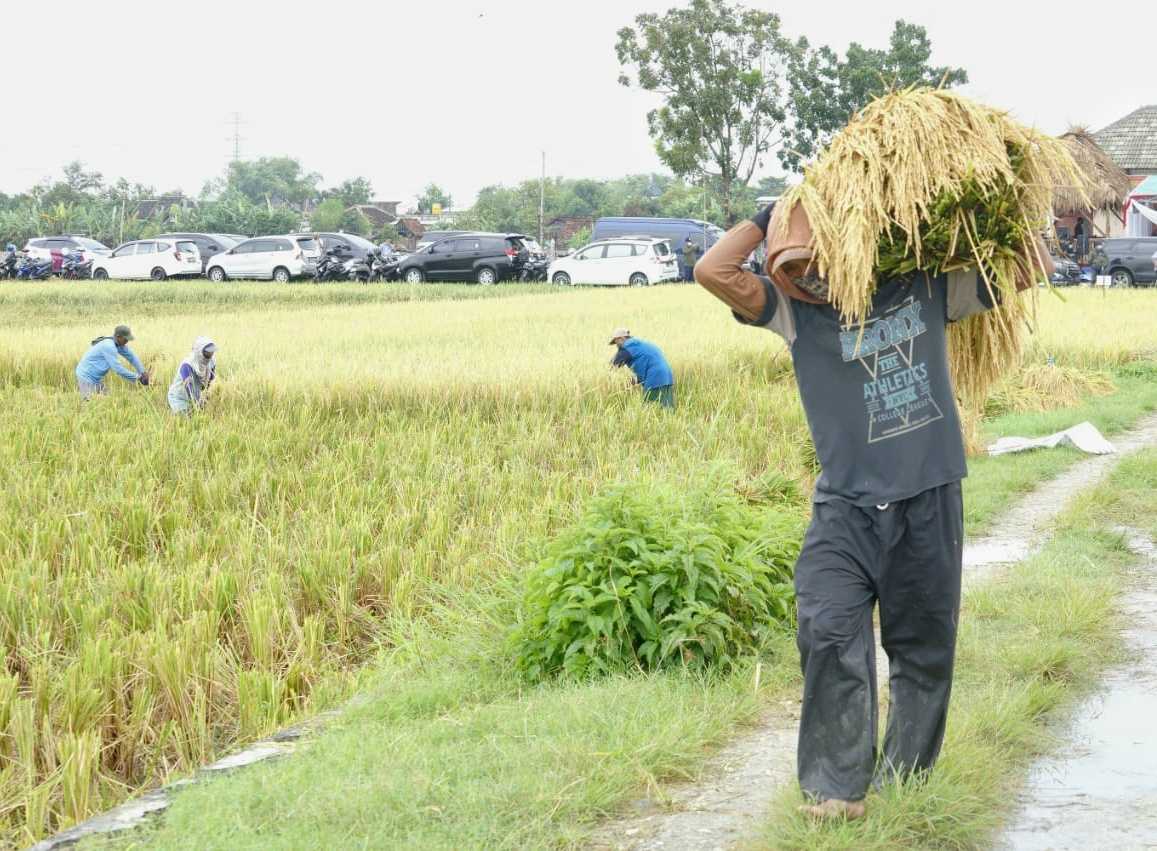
651, 369
105, 355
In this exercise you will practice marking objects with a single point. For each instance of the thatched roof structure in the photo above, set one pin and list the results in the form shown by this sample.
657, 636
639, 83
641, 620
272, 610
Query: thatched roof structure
1108, 186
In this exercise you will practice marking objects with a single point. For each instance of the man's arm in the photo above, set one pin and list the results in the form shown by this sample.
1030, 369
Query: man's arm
111, 357
186, 375
721, 272
968, 294
131, 357
622, 358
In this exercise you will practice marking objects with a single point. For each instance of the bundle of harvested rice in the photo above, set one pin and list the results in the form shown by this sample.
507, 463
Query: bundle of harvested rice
925, 180
1046, 387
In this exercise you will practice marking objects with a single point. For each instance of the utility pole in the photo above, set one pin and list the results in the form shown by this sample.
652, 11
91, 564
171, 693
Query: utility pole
704, 211
236, 137
541, 199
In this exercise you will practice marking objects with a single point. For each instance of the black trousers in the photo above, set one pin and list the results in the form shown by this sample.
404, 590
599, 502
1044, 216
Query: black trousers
906, 557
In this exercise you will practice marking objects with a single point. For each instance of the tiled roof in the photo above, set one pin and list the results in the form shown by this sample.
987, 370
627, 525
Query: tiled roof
1132, 141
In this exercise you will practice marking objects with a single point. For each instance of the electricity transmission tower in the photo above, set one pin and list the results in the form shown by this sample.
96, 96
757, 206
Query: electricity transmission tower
237, 138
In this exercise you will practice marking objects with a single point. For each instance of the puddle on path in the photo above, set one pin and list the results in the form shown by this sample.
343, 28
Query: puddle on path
1102, 791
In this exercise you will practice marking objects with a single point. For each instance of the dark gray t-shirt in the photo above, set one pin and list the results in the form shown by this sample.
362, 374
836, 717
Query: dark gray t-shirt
878, 396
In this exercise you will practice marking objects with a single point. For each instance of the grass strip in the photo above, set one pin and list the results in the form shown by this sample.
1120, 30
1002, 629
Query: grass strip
1031, 643
448, 750
56, 303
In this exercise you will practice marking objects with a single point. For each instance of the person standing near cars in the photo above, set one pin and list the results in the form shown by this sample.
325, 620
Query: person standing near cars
104, 355
690, 255
652, 372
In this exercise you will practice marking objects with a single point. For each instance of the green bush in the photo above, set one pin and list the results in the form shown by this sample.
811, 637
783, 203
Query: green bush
653, 578
1143, 367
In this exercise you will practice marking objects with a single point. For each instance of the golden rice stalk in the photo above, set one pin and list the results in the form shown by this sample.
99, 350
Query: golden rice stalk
1046, 387
925, 179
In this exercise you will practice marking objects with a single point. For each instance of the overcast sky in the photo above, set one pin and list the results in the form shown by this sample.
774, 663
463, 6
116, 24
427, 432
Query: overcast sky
467, 92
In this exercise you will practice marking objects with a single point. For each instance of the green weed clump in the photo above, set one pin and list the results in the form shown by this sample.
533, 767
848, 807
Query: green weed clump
651, 578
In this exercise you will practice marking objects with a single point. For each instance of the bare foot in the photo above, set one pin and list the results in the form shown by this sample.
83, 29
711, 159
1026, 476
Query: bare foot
834, 808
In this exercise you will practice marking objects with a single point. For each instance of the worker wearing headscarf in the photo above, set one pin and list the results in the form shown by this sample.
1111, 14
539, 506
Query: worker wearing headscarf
194, 375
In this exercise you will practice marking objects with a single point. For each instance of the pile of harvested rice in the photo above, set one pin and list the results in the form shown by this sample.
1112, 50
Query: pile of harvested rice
1046, 387
927, 180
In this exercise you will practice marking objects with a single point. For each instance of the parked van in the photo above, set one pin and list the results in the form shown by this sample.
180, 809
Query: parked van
150, 258
624, 261
276, 257
675, 231
1130, 260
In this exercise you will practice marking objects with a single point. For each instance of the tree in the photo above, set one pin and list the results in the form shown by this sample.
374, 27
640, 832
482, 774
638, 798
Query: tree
80, 180
434, 194
355, 191
827, 90
327, 216
354, 221
579, 238
273, 180
723, 73
122, 190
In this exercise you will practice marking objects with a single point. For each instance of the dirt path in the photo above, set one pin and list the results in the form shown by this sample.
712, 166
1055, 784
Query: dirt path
1021, 530
739, 783
1102, 792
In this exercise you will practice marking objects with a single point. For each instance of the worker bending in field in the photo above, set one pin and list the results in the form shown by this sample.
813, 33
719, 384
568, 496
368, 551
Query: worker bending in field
103, 356
652, 372
887, 521
194, 375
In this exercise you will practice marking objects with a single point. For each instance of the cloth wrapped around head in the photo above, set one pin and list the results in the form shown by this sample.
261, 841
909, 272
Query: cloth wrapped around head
790, 263
202, 358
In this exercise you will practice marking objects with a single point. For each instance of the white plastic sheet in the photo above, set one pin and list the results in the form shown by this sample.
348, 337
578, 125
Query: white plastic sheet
1139, 218
1083, 436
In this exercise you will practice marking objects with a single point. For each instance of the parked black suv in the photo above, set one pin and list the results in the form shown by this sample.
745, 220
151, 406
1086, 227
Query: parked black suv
432, 236
1130, 259
209, 244
486, 258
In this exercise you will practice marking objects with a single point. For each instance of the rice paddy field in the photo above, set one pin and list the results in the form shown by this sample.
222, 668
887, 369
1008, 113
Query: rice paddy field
170, 587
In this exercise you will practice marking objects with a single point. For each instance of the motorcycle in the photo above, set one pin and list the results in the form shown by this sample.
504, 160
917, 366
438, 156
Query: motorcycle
534, 269
8, 264
331, 266
30, 269
357, 269
74, 267
384, 267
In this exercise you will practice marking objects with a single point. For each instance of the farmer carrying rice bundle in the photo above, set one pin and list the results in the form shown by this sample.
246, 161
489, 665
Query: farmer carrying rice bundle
892, 273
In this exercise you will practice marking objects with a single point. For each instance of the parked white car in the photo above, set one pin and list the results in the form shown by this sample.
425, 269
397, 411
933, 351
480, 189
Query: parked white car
150, 258
634, 261
268, 257
43, 247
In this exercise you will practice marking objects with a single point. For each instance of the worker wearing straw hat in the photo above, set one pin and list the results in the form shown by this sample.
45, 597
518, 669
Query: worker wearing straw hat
887, 525
104, 355
646, 361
